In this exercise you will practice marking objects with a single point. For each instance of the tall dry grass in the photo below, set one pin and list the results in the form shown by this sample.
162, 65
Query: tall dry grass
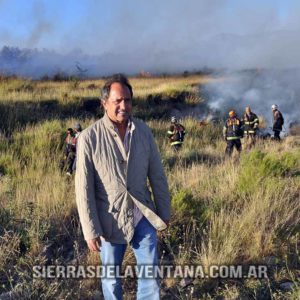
234, 211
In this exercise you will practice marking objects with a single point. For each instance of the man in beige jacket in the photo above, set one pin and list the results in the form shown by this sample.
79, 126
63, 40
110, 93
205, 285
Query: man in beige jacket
115, 157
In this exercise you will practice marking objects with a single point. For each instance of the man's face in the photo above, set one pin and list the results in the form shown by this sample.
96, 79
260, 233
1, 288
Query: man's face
118, 106
248, 111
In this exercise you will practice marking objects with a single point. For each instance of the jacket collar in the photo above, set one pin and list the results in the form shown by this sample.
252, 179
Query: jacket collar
110, 125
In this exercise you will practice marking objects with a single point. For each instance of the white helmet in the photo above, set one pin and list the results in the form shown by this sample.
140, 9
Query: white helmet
274, 106
173, 120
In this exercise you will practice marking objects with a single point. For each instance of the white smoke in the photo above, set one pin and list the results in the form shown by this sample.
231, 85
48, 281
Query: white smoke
158, 36
258, 89
168, 36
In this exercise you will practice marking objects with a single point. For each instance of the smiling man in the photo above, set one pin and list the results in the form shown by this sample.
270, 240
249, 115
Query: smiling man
116, 156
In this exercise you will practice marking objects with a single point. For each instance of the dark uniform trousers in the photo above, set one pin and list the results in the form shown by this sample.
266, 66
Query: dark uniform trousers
231, 144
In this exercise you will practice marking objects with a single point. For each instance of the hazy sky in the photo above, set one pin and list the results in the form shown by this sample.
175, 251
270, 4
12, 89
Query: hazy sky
240, 33
163, 36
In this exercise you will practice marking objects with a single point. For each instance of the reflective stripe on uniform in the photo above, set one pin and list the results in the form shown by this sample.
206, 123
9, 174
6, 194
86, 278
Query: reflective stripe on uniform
253, 122
249, 131
231, 138
176, 143
170, 132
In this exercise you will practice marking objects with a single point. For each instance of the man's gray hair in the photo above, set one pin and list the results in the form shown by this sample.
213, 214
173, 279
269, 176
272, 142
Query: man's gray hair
116, 78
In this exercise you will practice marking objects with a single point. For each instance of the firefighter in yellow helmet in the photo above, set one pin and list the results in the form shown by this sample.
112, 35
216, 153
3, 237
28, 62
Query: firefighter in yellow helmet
233, 133
251, 123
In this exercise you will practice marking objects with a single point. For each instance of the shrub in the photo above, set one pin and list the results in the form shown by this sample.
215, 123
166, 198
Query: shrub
185, 204
258, 166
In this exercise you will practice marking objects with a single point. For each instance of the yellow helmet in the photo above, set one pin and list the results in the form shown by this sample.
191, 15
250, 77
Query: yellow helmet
232, 113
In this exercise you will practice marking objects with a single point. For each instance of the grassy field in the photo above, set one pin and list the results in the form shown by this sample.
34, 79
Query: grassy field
237, 211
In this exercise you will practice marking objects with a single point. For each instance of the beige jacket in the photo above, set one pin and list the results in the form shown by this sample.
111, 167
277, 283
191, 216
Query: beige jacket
107, 184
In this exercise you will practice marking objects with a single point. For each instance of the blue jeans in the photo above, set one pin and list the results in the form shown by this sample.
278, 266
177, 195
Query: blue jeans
144, 245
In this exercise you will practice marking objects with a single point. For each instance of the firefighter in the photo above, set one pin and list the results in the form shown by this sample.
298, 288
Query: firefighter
77, 132
70, 150
176, 134
250, 122
278, 122
77, 129
233, 133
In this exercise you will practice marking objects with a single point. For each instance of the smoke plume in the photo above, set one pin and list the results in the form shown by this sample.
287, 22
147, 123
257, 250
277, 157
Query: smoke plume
171, 36
258, 89
157, 36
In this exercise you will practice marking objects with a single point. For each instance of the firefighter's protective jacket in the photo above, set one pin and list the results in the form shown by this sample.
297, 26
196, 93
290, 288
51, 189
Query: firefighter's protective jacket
232, 129
176, 134
278, 120
251, 123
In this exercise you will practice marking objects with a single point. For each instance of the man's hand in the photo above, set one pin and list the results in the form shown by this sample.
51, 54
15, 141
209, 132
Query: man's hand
94, 244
